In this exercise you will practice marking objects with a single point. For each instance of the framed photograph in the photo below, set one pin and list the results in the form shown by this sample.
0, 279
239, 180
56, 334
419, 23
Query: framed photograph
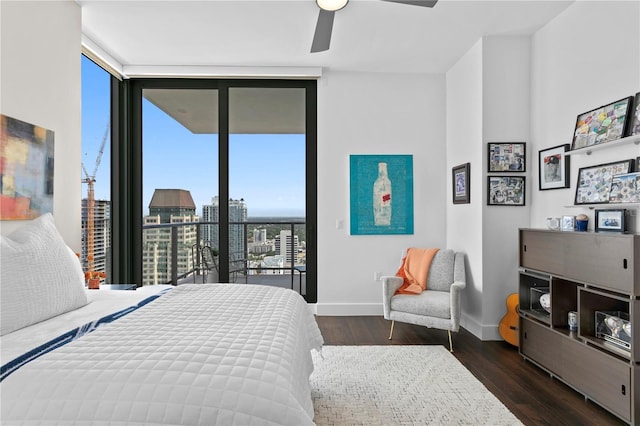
381, 194
507, 157
568, 223
610, 220
594, 182
625, 188
505, 190
553, 167
634, 124
460, 183
603, 124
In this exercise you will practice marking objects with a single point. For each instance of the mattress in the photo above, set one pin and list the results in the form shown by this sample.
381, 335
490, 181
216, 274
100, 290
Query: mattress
199, 354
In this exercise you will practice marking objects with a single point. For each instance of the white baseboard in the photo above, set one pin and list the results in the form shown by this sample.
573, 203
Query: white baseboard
481, 331
348, 309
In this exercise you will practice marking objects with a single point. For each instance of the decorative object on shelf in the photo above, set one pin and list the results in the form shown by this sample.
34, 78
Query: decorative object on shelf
603, 124
594, 182
505, 190
612, 220
610, 326
507, 157
582, 222
572, 320
553, 168
374, 209
553, 223
625, 188
545, 302
460, 182
634, 124
568, 223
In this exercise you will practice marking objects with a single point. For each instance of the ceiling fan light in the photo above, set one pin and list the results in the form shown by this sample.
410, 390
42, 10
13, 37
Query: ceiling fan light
331, 5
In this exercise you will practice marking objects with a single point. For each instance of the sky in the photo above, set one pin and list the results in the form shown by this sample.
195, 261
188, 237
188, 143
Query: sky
267, 171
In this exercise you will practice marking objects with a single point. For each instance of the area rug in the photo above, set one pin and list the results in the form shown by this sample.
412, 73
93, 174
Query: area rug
400, 385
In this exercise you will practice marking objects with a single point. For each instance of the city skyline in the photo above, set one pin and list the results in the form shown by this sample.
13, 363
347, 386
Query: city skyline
267, 171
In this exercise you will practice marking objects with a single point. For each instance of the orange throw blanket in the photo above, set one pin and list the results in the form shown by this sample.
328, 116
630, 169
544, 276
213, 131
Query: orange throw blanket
415, 270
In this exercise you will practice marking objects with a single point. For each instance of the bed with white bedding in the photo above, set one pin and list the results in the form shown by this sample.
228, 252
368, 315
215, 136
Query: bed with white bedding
199, 354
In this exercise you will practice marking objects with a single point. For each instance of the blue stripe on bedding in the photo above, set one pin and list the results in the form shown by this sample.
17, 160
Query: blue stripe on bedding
70, 336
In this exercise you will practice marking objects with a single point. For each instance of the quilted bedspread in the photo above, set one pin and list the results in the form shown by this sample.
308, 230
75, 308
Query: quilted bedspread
208, 354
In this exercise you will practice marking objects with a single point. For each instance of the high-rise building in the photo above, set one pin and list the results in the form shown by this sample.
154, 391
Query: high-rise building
101, 236
168, 206
237, 214
287, 246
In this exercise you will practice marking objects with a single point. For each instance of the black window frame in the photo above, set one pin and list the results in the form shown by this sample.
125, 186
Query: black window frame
126, 166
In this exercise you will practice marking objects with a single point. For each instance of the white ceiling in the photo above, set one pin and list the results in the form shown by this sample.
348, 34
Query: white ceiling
368, 35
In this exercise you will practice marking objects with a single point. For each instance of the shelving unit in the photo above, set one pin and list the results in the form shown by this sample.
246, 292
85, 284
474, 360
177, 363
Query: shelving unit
596, 275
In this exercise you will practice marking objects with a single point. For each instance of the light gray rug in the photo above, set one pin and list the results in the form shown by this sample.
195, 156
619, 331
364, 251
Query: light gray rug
400, 385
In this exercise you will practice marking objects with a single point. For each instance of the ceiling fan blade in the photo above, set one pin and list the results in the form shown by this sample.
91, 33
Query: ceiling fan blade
425, 3
322, 36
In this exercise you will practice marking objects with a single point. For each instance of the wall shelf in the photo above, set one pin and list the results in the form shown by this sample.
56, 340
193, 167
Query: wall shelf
619, 142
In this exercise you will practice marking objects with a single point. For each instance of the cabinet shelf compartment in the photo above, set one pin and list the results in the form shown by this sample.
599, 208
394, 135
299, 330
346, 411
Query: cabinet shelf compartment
564, 297
595, 306
532, 287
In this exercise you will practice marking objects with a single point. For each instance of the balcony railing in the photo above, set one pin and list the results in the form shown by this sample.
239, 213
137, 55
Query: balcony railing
178, 255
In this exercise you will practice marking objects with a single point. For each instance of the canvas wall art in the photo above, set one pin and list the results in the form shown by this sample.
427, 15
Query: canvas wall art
381, 190
26, 169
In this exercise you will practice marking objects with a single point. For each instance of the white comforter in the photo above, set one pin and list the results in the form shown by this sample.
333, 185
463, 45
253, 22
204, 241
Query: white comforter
214, 354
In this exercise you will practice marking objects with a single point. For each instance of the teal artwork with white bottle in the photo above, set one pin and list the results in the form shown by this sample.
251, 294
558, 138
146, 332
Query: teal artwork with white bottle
381, 189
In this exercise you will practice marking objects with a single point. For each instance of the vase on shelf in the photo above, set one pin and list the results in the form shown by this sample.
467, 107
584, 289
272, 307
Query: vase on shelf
93, 283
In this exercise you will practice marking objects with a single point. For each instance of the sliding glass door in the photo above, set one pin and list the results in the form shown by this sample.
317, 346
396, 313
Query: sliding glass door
220, 178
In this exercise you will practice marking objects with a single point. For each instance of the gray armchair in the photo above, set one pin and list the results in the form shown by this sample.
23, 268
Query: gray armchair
439, 305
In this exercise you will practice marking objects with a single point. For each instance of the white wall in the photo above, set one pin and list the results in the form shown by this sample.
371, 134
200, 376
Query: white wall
40, 84
375, 113
487, 101
587, 57
506, 99
464, 145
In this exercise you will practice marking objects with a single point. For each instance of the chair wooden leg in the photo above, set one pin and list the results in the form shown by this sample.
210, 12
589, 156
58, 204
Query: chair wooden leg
450, 343
391, 332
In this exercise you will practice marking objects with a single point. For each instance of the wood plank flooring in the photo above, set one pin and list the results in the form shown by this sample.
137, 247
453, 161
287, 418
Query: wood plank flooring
530, 393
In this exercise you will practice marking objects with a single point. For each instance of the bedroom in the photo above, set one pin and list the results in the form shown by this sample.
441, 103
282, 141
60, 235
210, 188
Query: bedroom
556, 77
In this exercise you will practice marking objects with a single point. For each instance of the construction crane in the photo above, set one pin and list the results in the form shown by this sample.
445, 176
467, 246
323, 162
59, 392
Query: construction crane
90, 180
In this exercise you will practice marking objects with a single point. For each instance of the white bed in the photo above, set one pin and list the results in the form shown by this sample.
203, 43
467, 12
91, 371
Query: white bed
205, 354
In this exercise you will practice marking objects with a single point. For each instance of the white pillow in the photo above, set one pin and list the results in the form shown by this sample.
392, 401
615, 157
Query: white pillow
40, 276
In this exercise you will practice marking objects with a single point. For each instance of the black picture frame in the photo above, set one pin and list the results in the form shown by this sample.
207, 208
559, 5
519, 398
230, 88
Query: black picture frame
611, 220
603, 124
594, 182
460, 182
507, 157
634, 120
506, 190
553, 168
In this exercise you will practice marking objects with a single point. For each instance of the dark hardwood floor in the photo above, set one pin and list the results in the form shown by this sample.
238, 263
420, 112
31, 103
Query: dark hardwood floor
529, 392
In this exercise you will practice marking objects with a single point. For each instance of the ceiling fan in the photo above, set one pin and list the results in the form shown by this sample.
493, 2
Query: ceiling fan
328, 8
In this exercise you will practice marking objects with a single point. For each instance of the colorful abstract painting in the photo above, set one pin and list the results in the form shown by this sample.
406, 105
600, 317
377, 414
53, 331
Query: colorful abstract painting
381, 189
26, 169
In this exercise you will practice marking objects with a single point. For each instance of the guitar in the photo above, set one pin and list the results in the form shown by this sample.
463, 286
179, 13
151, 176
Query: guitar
509, 324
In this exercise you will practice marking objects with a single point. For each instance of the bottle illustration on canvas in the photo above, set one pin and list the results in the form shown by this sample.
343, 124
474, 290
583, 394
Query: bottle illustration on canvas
382, 197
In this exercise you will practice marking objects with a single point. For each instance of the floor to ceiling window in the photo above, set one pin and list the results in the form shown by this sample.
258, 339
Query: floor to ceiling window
96, 174
220, 177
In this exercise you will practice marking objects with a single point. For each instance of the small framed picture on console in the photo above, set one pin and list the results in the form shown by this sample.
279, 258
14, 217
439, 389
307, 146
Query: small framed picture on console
610, 220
